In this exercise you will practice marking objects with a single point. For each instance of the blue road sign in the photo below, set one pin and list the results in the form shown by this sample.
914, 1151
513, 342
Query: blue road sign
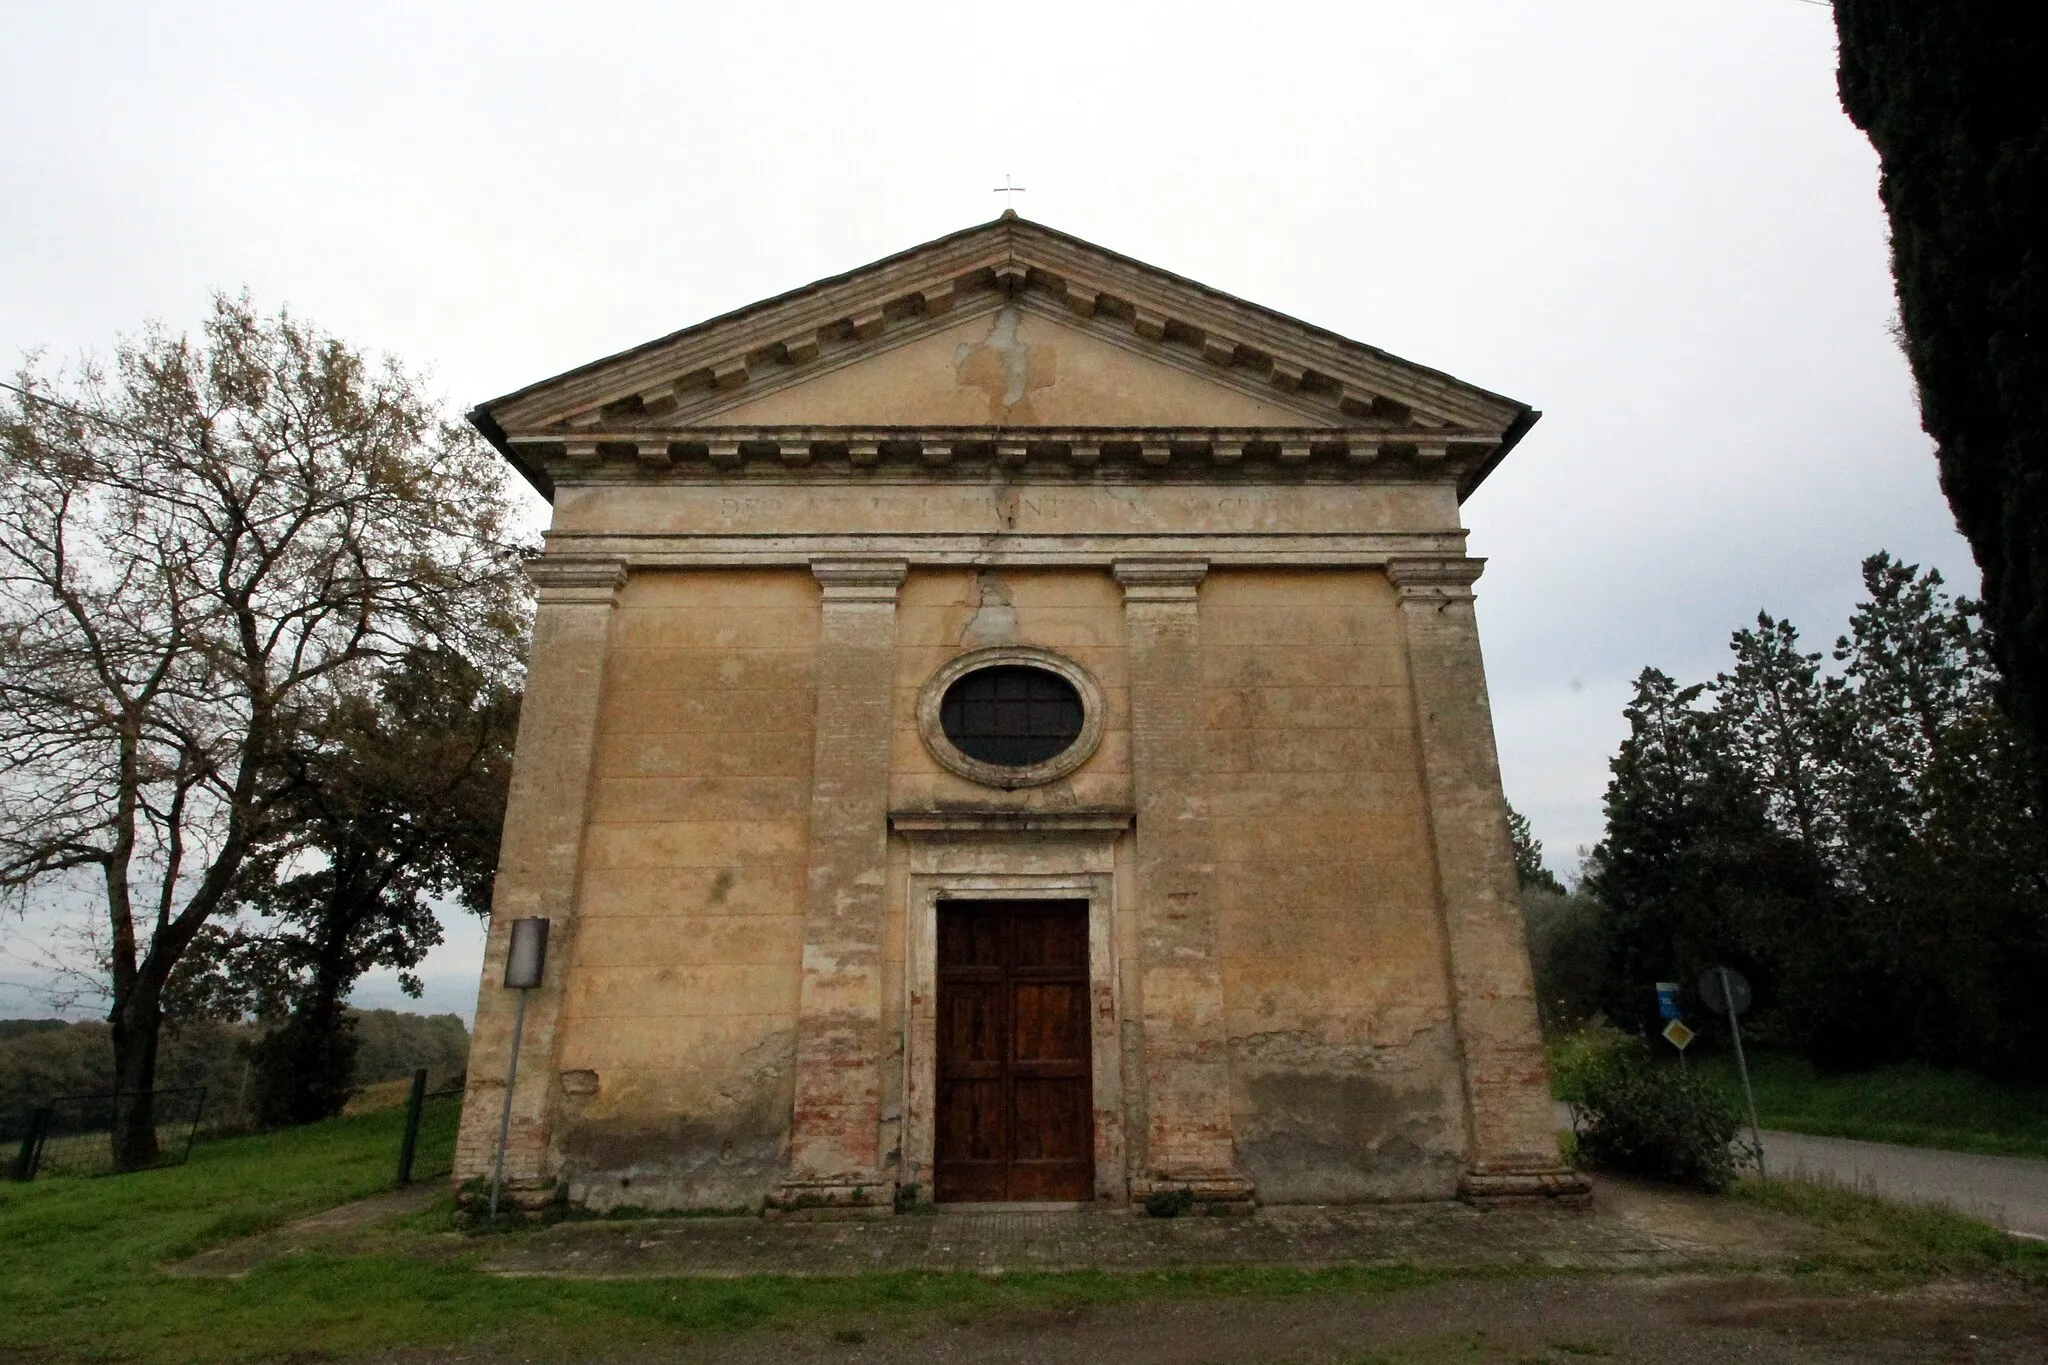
1667, 1000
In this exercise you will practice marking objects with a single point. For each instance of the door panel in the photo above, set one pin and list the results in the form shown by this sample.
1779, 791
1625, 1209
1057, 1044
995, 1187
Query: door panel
969, 940
971, 1032
1051, 1022
1015, 1100
1050, 938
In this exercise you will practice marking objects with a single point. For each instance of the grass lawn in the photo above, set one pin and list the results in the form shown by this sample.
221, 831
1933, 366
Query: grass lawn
1916, 1241
1909, 1104
79, 1277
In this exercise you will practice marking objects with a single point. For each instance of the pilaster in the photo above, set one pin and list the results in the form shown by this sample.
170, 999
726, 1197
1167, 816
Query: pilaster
1512, 1154
1188, 1141
539, 859
835, 1161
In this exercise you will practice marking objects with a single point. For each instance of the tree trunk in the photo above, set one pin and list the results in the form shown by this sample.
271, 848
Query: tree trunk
307, 1062
330, 1043
136, 1020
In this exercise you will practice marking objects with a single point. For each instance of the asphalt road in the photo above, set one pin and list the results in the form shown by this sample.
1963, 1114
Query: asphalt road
2009, 1192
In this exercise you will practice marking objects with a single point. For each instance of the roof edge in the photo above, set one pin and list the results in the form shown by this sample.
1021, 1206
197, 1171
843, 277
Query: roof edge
1509, 439
730, 314
1009, 219
487, 426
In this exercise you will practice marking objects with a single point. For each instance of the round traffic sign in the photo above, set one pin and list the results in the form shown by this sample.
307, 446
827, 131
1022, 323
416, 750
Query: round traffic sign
1736, 994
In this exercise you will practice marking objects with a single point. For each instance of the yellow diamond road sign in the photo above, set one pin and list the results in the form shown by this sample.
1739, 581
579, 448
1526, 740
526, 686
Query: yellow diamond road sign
1678, 1034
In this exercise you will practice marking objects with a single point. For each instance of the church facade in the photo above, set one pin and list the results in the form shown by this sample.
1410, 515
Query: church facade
1008, 724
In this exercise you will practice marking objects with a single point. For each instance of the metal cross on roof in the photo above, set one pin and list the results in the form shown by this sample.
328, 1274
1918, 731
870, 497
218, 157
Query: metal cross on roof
1007, 188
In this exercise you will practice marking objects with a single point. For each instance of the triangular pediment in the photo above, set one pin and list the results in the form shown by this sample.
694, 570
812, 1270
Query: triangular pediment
1007, 326
1009, 365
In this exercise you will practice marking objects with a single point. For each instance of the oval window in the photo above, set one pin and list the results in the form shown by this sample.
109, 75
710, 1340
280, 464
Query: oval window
1012, 715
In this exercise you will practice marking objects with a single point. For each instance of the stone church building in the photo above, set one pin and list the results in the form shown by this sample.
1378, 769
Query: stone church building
1007, 724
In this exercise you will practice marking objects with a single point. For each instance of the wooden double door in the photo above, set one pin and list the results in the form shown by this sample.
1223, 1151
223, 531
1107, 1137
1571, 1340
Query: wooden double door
1016, 1113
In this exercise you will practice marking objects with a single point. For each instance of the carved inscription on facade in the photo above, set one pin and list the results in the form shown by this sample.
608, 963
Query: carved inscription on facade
998, 509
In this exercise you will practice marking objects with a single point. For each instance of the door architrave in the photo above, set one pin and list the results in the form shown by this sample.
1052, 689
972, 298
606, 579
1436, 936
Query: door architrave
984, 858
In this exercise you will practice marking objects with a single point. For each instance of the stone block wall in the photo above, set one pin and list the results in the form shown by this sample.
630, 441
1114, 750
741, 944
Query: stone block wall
1345, 1071
678, 1026
943, 613
1327, 1011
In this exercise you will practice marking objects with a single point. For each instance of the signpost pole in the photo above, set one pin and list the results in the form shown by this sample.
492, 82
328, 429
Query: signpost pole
525, 962
1756, 1135
505, 1116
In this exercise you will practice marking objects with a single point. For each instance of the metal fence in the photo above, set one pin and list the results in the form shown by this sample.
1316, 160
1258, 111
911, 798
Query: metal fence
74, 1134
427, 1147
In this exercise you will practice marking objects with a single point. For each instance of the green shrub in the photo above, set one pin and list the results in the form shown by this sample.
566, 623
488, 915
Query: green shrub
1576, 1058
1568, 951
1170, 1203
1633, 1115
910, 1200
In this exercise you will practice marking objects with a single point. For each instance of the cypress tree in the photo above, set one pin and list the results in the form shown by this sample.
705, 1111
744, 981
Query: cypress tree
1954, 97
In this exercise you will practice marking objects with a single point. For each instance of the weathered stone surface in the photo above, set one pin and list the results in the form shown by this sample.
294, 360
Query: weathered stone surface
1013, 367
835, 1155
1187, 1134
683, 991
1074, 613
544, 826
1345, 1061
1237, 539
951, 519
1513, 1142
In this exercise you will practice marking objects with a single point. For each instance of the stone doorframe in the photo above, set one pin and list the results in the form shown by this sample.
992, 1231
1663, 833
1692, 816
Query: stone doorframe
1012, 856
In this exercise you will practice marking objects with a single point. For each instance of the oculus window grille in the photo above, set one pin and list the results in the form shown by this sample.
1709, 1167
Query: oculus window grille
1012, 715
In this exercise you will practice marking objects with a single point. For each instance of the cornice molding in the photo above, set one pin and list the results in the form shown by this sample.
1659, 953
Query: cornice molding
577, 580
1320, 549
1009, 260
860, 580
1434, 580
942, 454
993, 819
1160, 580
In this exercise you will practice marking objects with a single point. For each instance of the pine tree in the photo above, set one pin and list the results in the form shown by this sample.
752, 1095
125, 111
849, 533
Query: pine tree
1865, 845
1529, 869
1945, 845
1775, 713
1692, 869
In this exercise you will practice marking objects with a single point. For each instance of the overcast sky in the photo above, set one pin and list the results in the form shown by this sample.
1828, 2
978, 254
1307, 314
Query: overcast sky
1650, 220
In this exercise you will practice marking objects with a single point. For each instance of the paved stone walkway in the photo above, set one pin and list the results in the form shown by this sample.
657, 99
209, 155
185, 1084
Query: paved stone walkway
1632, 1227
323, 1229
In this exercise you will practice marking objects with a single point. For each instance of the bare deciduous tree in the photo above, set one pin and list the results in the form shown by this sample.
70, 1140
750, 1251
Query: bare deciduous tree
198, 546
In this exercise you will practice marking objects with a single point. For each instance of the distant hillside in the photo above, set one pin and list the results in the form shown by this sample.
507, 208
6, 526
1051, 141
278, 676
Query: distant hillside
10, 1027
43, 1058
393, 1044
